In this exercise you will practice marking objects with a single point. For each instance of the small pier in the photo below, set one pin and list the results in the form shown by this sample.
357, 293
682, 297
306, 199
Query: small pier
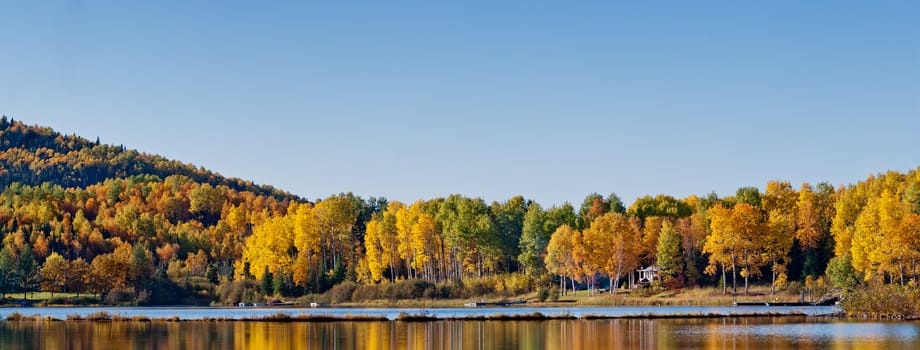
496, 303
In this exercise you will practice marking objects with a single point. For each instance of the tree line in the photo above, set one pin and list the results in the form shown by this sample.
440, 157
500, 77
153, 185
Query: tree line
160, 237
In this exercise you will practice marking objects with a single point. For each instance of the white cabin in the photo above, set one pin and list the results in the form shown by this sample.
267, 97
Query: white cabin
648, 274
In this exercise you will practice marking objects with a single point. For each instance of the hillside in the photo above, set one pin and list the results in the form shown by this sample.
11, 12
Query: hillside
33, 155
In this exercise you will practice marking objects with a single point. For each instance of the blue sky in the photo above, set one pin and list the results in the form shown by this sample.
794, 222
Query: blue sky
551, 100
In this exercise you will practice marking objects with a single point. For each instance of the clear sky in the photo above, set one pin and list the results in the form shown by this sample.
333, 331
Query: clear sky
552, 100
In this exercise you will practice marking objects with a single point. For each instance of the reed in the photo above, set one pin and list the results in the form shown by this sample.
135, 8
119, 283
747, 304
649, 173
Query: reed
406, 317
16, 317
99, 316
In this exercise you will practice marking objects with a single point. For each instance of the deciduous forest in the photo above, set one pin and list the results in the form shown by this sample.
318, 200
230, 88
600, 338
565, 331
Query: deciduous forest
78, 216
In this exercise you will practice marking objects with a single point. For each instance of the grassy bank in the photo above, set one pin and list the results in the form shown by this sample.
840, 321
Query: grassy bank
415, 294
49, 299
638, 297
681, 297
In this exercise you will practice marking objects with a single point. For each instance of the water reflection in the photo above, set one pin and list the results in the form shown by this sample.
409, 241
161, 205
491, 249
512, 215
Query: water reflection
739, 333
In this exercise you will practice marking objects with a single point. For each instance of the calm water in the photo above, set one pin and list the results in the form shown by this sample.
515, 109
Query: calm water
736, 333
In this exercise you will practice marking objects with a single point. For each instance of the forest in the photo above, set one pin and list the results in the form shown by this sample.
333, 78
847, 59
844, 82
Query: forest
78, 216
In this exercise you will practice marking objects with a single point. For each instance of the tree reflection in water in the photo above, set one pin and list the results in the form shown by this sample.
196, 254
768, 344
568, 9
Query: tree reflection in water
729, 333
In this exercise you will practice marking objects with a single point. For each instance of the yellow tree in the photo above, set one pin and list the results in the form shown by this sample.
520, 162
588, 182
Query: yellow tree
735, 241
111, 271
779, 206
847, 209
335, 217
54, 273
808, 230
889, 256
780, 195
650, 232
269, 248
388, 236
612, 245
719, 243
907, 245
866, 239
307, 242
875, 246
777, 242
425, 243
405, 219
372, 250
560, 256
750, 231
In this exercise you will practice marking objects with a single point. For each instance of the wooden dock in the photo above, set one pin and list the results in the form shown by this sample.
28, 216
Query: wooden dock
496, 303
769, 304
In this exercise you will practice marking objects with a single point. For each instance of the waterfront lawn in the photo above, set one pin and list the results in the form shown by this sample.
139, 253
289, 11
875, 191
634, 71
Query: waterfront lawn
46, 298
707, 296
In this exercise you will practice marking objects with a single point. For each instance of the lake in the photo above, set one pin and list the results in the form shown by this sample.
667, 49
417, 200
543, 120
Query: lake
729, 333
789, 332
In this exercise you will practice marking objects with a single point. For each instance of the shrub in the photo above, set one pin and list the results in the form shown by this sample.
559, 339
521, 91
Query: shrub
234, 292
313, 298
143, 297
498, 285
673, 282
404, 289
553, 294
882, 300
120, 296
794, 288
408, 289
453, 289
474, 287
342, 292
366, 292
542, 294
841, 272
515, 284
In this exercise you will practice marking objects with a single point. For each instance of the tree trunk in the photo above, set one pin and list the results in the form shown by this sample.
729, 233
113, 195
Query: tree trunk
746, 276
734, 279
322, 246
724, 285
773, 284
409, 267
480, 265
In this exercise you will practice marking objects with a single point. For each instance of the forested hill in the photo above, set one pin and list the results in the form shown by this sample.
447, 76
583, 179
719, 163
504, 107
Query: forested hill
33, 155
131, 228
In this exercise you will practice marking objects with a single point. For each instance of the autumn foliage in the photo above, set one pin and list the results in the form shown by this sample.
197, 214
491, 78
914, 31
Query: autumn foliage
82, 217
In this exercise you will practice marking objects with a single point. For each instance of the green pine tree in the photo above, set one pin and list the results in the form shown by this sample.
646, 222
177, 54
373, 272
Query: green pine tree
670, 255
